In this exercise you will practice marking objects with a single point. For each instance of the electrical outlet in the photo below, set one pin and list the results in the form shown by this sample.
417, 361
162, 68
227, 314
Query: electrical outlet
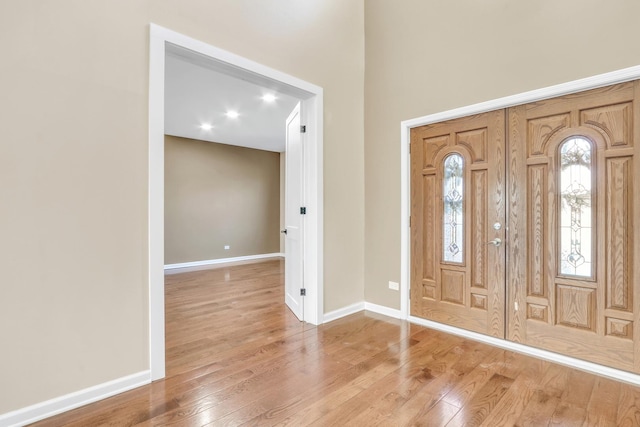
394, 285
227, 247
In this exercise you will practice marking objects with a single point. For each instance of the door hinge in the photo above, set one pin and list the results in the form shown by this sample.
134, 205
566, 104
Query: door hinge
409, 221
303, 211
303, 292
303, 129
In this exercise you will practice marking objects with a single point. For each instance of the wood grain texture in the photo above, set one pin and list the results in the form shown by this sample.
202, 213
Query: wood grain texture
537, 285
615, 121
469, 294
517, 257
237, 356
618, 219
453, 286
479, 228
429, 228
635, 233
591, 317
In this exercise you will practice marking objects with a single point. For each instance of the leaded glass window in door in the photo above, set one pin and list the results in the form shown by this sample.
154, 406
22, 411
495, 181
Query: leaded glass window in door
453, 201
576, 201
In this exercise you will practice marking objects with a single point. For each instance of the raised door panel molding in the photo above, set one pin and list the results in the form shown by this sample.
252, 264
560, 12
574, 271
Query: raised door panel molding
433, 146
478, 229
619, 217
576, 307
541, 130
453, 286
429, 227
538, 191
476, 142
614, 121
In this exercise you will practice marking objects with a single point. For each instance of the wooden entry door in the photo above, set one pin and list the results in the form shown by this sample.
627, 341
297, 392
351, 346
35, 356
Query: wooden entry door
457, 208
573, 252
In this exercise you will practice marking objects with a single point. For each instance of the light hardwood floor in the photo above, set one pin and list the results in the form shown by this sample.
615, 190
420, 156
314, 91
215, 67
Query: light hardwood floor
237, 356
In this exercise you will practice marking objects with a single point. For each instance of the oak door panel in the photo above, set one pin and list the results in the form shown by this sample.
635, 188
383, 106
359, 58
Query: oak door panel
573, 242
456, 278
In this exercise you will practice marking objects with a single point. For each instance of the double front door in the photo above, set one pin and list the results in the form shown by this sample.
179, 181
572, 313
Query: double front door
524, 224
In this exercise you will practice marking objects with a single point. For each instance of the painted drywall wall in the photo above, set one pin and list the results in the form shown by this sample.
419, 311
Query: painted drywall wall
283, 157
424, 57
218, 195
73, 169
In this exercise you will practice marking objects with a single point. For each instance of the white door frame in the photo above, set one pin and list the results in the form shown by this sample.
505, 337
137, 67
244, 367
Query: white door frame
614, 77
312, 115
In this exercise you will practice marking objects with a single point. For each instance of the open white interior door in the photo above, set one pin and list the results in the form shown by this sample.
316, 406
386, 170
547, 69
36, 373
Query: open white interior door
293, 218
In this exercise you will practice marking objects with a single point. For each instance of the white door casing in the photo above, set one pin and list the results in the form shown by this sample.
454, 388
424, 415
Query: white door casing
293, 220
311, 97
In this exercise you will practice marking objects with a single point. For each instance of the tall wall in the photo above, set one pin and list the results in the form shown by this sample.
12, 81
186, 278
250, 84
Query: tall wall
73, 169
423, 57
218, 195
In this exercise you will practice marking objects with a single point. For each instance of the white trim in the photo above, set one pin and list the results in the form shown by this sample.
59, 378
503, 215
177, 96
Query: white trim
312, 109
70, 401
619, 76
606, 79
582, 365
343, 312
381, 309
221, 261
405, 212
313, 193
359, 306
156, 204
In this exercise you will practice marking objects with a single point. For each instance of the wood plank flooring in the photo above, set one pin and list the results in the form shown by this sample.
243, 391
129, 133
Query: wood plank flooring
237, 356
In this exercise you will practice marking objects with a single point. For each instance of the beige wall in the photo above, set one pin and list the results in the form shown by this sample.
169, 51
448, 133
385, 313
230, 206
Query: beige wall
283, 157
423, 57
217, 195
73, 163
73, 169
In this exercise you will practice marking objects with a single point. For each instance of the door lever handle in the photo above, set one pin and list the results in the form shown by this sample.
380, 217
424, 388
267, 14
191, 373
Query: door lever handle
495, 242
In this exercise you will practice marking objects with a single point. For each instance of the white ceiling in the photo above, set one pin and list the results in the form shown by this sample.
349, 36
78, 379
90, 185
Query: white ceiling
201, 90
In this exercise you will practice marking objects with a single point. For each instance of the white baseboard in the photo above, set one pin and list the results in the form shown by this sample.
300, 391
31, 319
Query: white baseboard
359, 306
221, 261
343, 312
49, 408
582, 365
381, 309
55, 406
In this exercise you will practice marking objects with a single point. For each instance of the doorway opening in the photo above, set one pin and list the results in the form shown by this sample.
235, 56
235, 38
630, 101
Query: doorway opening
311, 97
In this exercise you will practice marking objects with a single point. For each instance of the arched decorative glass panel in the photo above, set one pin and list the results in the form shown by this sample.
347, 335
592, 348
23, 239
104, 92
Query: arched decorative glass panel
453, 198
576, 222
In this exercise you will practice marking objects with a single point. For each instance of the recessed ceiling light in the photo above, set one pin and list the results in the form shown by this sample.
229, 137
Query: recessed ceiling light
269, 97
232, 114
206, 126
